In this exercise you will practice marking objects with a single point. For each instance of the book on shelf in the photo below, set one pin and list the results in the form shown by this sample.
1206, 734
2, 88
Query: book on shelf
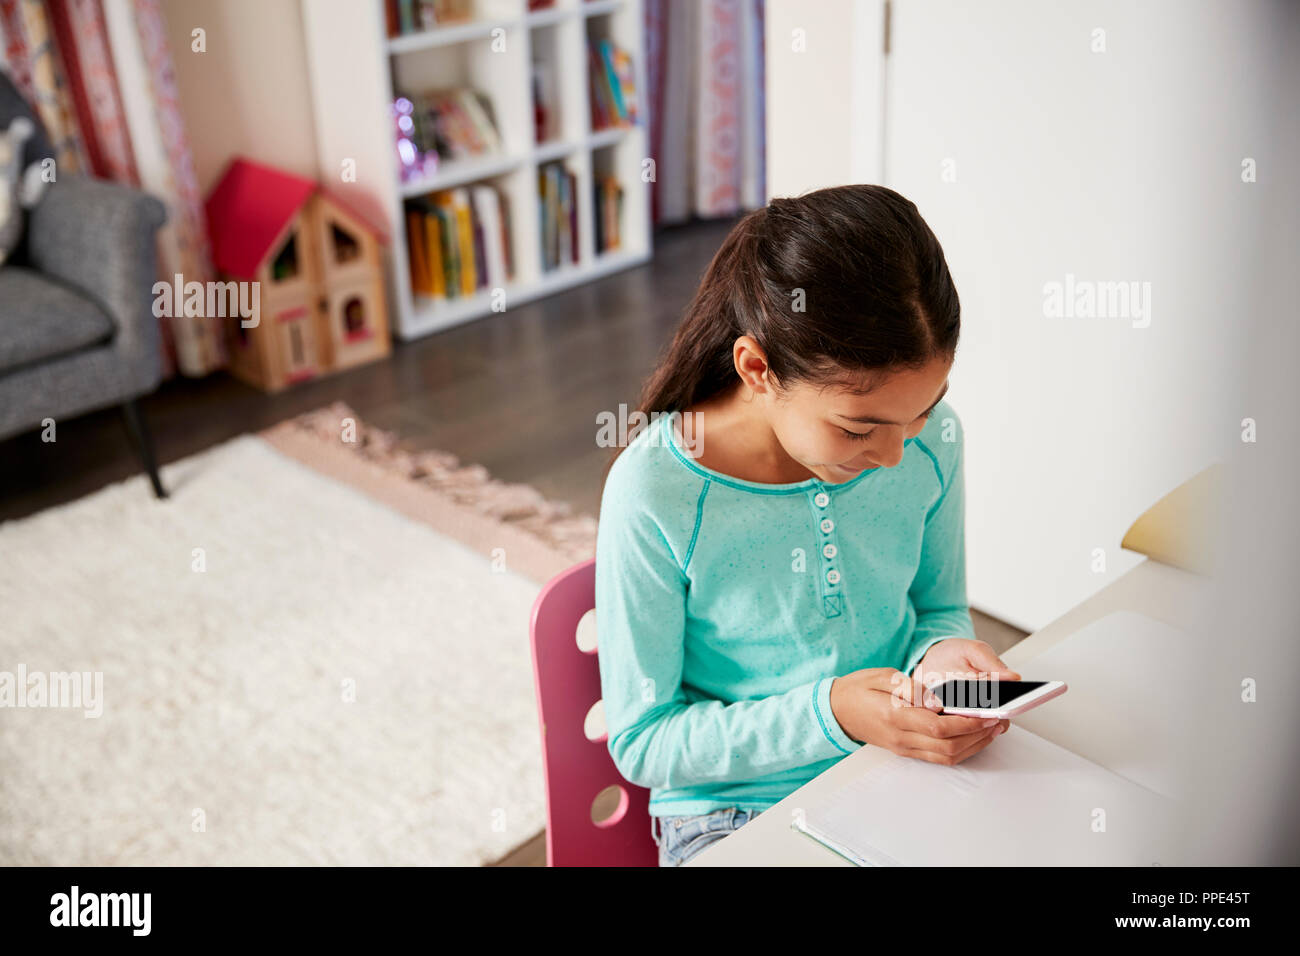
404, 17
571, 217
613, 89
609, 213
491, 247
458, 241
557, 193
456, 202
545, 115
442, 125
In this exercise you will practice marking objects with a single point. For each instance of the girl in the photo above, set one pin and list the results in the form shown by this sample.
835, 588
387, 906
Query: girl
783, 544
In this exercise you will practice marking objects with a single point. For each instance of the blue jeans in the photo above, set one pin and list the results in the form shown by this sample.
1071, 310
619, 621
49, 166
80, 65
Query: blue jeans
680, 838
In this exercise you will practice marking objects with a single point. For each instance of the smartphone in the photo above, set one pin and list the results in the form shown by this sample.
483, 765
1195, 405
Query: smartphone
996, 698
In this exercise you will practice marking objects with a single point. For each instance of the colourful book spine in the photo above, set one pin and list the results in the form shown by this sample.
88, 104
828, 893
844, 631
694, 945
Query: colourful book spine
557, 214
480, 251
544, 191
507, 241
599, 110
450, 247
618, 214
433, 245
415, 252
573, 217
541, 219
541, 215
487, 213
611, 77
611, 212
465, 239
626, 82
549, 217
476, 111
562, 230
468, 139
604, 212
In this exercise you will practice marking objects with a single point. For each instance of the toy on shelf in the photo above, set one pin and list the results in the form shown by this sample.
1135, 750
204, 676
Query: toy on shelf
317, 266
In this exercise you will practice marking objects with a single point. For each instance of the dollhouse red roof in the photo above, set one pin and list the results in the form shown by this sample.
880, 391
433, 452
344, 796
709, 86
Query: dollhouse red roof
248, 210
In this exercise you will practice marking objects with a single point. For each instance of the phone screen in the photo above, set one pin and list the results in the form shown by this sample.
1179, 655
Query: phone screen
984, 694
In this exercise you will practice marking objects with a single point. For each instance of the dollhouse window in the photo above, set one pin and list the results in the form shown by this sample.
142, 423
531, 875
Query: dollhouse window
354, 319
297, 347
346, 247
285, 265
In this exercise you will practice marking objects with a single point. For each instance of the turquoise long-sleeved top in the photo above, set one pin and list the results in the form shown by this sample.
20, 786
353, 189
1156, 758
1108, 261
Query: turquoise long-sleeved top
725, 608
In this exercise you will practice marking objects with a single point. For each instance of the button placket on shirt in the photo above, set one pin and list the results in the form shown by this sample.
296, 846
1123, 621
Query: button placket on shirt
831, 580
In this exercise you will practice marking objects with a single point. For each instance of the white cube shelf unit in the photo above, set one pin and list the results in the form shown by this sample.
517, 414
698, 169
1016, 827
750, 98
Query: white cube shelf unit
494, 54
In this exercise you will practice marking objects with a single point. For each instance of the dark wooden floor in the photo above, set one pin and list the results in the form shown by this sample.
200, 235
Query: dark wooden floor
517, 392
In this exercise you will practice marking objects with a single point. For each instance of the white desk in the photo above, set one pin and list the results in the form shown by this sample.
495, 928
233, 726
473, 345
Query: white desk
1168, 594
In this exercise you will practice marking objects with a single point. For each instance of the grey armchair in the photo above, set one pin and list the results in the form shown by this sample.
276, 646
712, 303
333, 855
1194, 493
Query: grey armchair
77, 330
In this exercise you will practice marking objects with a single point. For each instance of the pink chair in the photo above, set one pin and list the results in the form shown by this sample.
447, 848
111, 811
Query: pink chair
576, 769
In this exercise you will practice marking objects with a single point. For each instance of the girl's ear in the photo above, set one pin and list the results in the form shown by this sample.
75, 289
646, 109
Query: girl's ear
748, 353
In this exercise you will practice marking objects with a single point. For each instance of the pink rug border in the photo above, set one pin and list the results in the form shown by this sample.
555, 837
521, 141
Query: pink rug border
537, 538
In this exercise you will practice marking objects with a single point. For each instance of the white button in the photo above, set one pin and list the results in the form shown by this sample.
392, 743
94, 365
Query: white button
832, 576
828, 525
822, 499
829, 551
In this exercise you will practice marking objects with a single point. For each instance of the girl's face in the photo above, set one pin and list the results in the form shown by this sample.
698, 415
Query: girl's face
836, 434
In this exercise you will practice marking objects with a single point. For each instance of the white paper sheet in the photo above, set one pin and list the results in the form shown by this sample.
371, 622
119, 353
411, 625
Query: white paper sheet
1022, 801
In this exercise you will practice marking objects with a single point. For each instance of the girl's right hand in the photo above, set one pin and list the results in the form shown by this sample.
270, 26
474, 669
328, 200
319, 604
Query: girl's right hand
876, 706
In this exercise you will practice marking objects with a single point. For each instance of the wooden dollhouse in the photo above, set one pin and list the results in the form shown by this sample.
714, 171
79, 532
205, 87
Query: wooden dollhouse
317, 266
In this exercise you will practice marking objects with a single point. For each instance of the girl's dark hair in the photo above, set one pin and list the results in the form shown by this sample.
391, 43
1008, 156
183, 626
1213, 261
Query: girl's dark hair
868, 272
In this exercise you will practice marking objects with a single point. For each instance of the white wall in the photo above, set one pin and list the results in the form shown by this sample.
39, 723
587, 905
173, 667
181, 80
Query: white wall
1123, 165
249, 94
823, 62
348, 72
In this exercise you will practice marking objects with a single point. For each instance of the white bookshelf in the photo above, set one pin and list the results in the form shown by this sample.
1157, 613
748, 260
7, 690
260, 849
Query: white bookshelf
462, 54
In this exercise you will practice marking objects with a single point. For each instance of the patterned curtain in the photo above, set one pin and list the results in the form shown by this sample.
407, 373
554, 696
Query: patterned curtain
162, 158
99, 74
83, 42
34, 65
704, 70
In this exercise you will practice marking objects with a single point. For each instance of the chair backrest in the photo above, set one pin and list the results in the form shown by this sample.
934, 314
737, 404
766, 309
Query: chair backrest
576, 768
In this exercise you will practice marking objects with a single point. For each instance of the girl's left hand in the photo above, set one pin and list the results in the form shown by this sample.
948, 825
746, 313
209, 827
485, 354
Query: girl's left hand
961, 659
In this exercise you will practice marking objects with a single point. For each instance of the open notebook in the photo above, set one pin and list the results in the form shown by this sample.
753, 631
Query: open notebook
1025, 800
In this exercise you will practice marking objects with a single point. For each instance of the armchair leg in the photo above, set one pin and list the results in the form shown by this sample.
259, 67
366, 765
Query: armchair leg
143, 442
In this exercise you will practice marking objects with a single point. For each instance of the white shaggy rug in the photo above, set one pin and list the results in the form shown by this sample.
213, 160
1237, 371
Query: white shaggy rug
340, 684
